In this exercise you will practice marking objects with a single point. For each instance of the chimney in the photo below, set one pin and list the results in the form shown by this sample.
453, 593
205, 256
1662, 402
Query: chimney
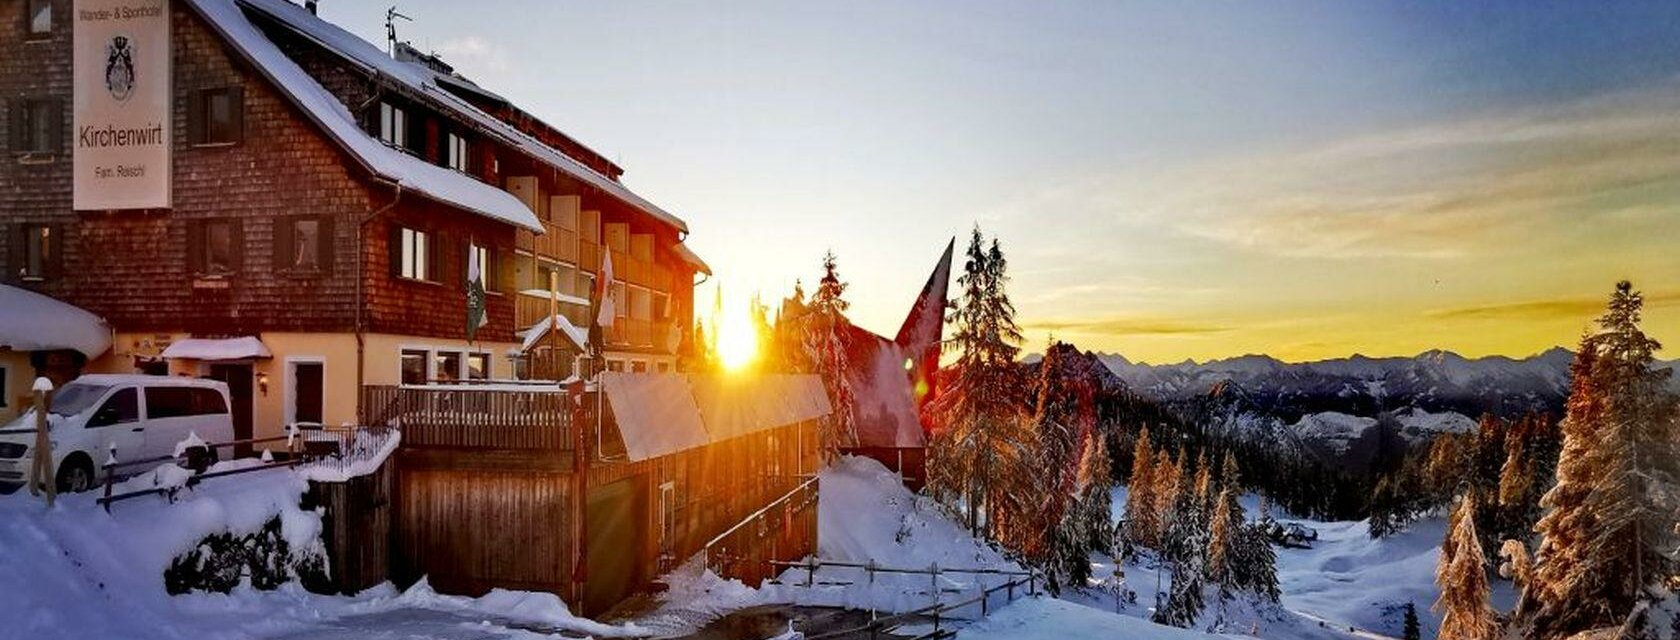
310, 5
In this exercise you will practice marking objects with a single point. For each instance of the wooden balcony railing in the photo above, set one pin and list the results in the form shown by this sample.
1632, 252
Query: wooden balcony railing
453, 416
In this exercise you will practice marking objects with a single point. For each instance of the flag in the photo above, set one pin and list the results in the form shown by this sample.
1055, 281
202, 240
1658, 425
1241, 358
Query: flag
603, 290
476, 317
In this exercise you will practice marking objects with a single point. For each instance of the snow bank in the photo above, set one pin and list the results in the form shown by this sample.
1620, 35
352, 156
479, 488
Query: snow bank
75, 571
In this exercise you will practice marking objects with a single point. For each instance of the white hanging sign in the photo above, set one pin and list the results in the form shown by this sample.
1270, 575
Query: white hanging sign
120, 134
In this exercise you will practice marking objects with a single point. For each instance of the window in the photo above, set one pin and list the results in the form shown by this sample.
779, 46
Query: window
664, 367
38, 248
207, 401
412, 251
393, 125
455, 152
486, 266
214, 247
615, 365
168, 402
413, 366
667, 517
303, 244
218, 116
40, 18
123, 407
447, 364
638, 366
478, 366
36, 127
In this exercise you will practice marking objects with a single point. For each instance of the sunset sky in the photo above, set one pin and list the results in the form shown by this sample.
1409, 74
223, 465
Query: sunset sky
1169, 180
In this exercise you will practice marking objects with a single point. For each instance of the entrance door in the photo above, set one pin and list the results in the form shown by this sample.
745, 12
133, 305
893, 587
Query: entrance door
238, 379
614, 545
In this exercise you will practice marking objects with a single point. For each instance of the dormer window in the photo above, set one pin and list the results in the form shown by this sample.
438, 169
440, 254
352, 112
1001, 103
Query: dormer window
455, 152
393, 125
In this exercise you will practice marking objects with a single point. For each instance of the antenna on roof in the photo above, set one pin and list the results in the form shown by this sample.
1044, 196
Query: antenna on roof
391, 16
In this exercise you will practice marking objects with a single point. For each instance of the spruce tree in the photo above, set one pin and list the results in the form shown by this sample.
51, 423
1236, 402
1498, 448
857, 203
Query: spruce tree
980, 455
1223, 537
1411, 630
1142, 520
1609, 531
827, 341
1461, 575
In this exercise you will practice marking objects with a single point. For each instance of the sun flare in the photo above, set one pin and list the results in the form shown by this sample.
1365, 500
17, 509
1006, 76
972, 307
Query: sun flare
737, 342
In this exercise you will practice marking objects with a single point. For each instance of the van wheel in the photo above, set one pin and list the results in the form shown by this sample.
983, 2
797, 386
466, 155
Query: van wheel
75, 475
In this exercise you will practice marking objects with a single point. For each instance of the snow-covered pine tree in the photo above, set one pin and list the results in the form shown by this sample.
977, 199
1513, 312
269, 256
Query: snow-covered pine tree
1609, 533
826, 345
1185, 598
1142, 526
1096, 497
1410, 628
1516, 565
979, 455
1462, 577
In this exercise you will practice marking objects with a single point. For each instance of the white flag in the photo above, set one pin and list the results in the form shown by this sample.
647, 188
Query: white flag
603, 291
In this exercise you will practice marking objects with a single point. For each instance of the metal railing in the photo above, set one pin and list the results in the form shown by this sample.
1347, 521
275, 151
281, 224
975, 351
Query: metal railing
937, 612
742, 545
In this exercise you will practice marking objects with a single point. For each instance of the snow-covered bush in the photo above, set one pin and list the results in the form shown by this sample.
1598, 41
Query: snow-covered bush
264, 556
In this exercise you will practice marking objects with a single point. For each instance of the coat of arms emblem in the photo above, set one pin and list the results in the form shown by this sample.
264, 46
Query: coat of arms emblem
119, 68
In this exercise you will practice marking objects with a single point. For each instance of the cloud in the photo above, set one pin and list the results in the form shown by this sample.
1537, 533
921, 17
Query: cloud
1128, 327
475, 54
1440, 191
1582, 308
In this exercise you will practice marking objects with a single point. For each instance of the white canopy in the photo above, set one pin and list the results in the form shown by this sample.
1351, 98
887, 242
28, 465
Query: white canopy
30, 321
245, 348
535, 334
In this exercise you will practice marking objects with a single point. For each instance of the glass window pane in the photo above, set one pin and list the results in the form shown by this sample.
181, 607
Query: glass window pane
219, 252
448, 365
306, 243
413, 367
40, 16
478, 366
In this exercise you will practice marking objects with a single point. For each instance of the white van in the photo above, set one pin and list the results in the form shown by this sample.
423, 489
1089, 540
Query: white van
143, 416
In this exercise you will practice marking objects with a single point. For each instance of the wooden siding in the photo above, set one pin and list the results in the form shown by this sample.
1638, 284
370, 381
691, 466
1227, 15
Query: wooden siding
357, 528
471, 530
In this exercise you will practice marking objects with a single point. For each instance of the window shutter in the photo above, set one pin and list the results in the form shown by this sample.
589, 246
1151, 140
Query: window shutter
54, 264
14, 125
195, 117
438, 251
395, 249
236, 106
324, 233
14, 256
505, 278
236, 245
195, 246
55, 122
283, 240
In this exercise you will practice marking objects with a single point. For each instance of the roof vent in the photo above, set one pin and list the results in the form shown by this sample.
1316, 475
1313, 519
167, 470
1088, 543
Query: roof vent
311, 5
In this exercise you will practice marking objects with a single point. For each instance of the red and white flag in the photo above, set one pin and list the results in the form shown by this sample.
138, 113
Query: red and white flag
603, 290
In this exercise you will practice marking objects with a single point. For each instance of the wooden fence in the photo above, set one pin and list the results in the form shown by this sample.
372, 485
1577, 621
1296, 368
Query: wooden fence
456, 417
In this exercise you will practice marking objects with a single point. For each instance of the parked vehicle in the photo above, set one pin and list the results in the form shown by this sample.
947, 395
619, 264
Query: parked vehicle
137, 416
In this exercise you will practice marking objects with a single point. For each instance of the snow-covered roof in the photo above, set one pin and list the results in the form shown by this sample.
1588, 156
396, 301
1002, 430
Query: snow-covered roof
242, 348
535, 334
427, 83
122, 379
736, 405
31, 321
688, 255
432, 181
655, 413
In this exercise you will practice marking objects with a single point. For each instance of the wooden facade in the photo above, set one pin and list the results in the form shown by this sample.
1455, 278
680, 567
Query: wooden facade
495, 489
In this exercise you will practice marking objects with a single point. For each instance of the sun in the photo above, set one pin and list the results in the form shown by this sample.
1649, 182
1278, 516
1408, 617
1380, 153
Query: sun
737, 341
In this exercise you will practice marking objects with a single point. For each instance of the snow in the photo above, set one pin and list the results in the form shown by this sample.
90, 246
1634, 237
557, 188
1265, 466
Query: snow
425, 82
1418, 424
1333, 429
31, 321
42, 385
242, 348
1045, 618
192, 441
688, 255
533, 335
412, 173
359, 457
655, 413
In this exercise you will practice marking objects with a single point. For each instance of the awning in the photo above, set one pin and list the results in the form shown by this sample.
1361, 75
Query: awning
535, 334
688, 255
30, 321
246, 348
655, 413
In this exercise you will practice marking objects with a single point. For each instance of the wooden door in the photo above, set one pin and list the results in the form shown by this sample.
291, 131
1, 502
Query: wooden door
238, 379
615, 544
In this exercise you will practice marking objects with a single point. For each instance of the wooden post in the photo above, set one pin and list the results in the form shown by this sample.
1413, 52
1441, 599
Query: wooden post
110, 475
984, 597
810, 571
41, 471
